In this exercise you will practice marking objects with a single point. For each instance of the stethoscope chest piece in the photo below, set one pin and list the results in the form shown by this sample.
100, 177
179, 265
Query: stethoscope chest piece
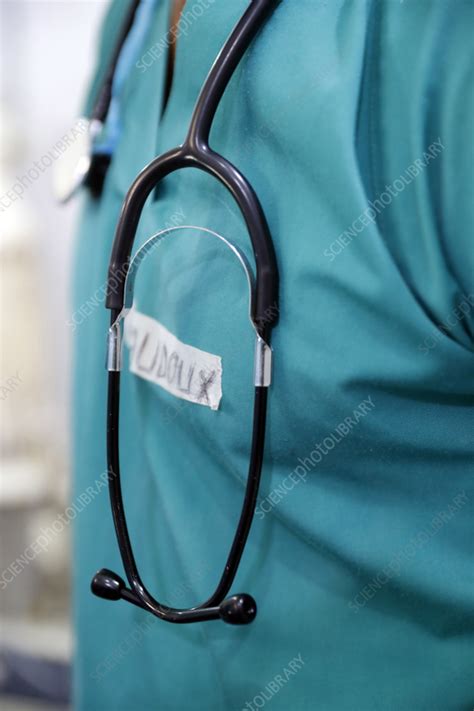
72, 168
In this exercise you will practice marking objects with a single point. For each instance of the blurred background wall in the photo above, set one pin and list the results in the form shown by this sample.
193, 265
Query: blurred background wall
47, 55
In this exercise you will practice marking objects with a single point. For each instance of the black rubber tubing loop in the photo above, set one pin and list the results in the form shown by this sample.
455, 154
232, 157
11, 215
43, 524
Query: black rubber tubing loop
195, 152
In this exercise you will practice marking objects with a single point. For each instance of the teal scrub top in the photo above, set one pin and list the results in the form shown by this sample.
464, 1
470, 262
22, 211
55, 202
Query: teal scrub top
353, 122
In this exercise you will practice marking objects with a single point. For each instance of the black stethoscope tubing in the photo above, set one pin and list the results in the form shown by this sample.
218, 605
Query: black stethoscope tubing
195, 152
104, 95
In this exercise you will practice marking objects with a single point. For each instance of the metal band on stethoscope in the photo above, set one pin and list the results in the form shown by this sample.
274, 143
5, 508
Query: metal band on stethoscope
263, 352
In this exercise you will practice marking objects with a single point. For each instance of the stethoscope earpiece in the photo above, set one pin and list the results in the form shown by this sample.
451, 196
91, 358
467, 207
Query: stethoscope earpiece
108, 585
239, 609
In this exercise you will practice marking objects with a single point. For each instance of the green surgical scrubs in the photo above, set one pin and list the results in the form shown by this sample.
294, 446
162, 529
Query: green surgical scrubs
353, 121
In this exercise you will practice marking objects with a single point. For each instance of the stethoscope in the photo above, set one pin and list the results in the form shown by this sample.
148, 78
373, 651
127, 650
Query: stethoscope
195, 152
86, 162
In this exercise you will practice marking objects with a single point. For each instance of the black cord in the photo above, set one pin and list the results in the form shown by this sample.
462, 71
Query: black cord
104, 96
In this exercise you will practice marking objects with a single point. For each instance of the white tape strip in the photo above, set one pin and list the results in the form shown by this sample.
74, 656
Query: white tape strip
182, 370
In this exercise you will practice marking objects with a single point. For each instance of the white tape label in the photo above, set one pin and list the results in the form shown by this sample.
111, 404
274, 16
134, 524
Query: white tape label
184, 371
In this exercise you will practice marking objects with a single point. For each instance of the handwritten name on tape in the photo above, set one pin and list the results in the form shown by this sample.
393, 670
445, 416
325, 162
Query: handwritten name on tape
182, 370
